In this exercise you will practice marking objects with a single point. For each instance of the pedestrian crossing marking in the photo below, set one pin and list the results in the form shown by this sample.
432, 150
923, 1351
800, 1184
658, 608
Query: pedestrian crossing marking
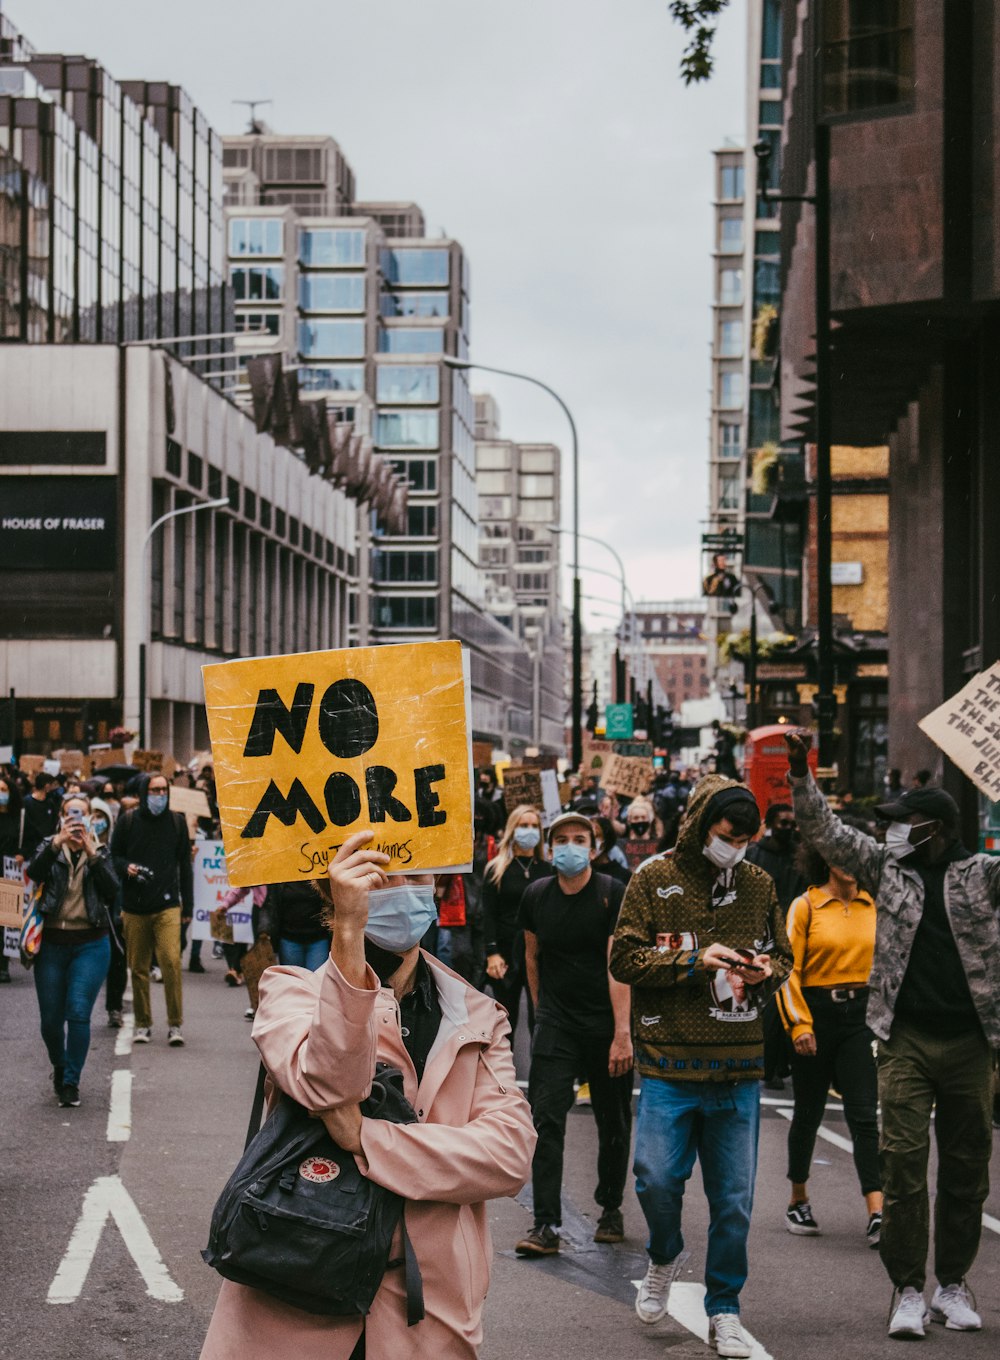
108, 1198
120, 1111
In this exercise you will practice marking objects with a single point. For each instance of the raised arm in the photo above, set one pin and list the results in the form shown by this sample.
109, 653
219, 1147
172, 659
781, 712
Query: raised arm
843, 847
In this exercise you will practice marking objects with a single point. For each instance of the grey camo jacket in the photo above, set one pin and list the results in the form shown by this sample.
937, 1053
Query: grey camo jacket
971, 898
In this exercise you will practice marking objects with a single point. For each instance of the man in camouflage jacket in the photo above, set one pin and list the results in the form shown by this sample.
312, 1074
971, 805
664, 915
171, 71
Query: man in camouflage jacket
934, 1006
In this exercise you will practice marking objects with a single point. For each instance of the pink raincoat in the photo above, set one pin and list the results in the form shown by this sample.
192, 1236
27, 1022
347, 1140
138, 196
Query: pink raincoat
319, 1038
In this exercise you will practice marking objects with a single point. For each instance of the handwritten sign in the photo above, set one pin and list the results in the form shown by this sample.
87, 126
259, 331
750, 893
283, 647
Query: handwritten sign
967, 729
11, 904
149, 761
551, 802
627, 775
595, 754
522, 786
312, 747
211, 884
31, 764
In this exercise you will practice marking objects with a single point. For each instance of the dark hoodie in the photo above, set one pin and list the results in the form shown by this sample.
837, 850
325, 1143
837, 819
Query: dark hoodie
687, 1023
159, 843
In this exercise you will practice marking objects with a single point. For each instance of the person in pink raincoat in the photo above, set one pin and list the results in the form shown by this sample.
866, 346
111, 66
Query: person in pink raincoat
380, 997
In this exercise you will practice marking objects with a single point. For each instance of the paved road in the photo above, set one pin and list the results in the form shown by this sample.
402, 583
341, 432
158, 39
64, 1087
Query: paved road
823, 1298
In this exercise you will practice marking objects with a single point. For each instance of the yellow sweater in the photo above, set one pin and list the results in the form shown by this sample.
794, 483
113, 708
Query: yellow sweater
832, 946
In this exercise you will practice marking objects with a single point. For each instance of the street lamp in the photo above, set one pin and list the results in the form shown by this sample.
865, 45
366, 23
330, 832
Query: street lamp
628, 620
577, 682
222, 503
826, 701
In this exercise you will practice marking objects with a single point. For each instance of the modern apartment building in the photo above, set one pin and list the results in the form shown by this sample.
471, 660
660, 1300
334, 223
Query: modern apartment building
367, 308
111, 211
671, 635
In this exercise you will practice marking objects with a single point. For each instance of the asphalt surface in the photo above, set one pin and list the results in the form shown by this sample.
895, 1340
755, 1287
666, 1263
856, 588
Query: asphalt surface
824, 1298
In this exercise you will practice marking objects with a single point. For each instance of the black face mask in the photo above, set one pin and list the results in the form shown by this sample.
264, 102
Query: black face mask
640, 828
784, 837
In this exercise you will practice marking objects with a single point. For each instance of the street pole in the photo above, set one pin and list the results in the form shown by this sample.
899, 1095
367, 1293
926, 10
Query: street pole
576, 718
752, 669
826, 701
220, 504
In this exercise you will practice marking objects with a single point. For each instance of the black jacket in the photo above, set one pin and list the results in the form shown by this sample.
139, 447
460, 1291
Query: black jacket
291, 911
159, 843
100, 882
41, 819
789, 882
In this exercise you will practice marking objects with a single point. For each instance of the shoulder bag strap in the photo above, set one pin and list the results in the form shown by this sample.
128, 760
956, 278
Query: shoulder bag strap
414, 1281
253, 1128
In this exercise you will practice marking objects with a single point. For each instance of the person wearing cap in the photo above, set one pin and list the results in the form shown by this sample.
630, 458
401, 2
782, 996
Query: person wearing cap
702, 943
581, 1029
934, 1007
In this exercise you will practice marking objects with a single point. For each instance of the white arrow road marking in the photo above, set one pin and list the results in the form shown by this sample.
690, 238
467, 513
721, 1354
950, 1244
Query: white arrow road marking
123, 1041
686, 1305
845, 1143
120, 1113
108, 1198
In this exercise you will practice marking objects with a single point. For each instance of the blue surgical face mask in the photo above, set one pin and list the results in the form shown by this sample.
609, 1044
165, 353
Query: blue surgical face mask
4, 798
157, 803
99, 825
571, 860
399, 917
526, 837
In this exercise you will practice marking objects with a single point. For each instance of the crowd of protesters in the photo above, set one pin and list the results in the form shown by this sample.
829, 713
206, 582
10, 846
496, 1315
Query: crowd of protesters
678, 940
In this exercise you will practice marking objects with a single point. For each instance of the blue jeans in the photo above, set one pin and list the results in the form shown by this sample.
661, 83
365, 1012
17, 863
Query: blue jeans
68, 979
718, 1123
311, 954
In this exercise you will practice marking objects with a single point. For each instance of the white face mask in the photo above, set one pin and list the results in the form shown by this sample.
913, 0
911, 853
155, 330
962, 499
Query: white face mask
723, 855
898, 842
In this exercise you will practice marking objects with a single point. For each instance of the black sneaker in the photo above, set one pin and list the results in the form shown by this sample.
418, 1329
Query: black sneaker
115, 1019
69, 1096
874, 1230
196, 966
610, 1227
57, 1081
799, 1220
541, 1241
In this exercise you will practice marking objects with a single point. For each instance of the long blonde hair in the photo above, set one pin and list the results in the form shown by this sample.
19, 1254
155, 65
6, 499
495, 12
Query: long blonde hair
501, 861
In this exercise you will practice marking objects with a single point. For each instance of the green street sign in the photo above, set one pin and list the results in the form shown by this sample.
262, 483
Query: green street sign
619, 722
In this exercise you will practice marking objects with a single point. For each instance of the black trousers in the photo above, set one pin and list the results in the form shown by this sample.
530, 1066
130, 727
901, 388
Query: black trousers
844, 1058
114, 988
507, 990
558, 1057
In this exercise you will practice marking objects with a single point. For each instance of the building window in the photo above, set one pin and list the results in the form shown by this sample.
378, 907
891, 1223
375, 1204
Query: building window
730, 439
332, 339
729, 491
731, 235
255, 236
867, 54
731, 287
404, 567
405, 611
731, 181
410, 340
261, 283
416, 266
415, 304
490, 457
731, 390
332, 378
767, 281
493, 483
536, 484
420, 473
331, 246
494, 507
769, 113
263, 323
422, 521
731, 339
399, 429
332, 292
407, 382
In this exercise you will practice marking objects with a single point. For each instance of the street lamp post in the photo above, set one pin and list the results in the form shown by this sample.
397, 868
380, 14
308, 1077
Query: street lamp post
220, 504
577, 682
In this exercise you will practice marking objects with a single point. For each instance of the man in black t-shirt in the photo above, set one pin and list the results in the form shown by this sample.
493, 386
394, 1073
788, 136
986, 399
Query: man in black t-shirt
581, 1029
41, 813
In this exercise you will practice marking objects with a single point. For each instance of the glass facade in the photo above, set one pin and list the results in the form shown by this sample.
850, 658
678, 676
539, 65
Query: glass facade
410, 340
415, 266
330, 247
418, 383
332, 292
332, 339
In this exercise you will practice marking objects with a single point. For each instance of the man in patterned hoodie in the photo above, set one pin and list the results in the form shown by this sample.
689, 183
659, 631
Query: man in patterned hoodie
702, 943
934, 1006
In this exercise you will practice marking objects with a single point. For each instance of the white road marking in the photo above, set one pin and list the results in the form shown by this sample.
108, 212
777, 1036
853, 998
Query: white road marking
992, 1223
123, 1042
686, 1305
108, 1198
120, 1113
836, 1139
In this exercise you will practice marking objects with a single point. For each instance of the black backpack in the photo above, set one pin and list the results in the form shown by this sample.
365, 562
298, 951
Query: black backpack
299, 1221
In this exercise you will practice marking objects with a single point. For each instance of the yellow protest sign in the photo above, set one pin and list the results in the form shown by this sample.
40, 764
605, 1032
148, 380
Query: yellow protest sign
312, 747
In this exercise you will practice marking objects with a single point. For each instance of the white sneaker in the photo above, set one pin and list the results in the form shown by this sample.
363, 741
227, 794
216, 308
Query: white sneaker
142, 1035
911, 1316
728, 1337
174, 1037
155, 974
952, 1305
654, 1291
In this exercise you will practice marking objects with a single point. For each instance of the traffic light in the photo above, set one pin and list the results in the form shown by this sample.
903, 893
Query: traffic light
591, 723
663, 726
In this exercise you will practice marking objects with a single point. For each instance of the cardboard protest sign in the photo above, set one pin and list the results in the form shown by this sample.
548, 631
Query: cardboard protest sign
71, 762
192, 802
151, 762
638, 850
31, 764
11, 904
627, 775
967, 729
551, 802
11, 943
595, 754
312, 747
210, 886
105, 756
522, 785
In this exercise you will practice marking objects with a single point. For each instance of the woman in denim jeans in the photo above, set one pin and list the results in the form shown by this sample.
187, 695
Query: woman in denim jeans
78, 885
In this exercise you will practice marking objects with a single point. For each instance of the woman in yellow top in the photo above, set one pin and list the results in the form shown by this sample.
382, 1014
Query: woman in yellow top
822, 1005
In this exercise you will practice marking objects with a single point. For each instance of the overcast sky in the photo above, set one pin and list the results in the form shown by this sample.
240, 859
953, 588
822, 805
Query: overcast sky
555, 140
